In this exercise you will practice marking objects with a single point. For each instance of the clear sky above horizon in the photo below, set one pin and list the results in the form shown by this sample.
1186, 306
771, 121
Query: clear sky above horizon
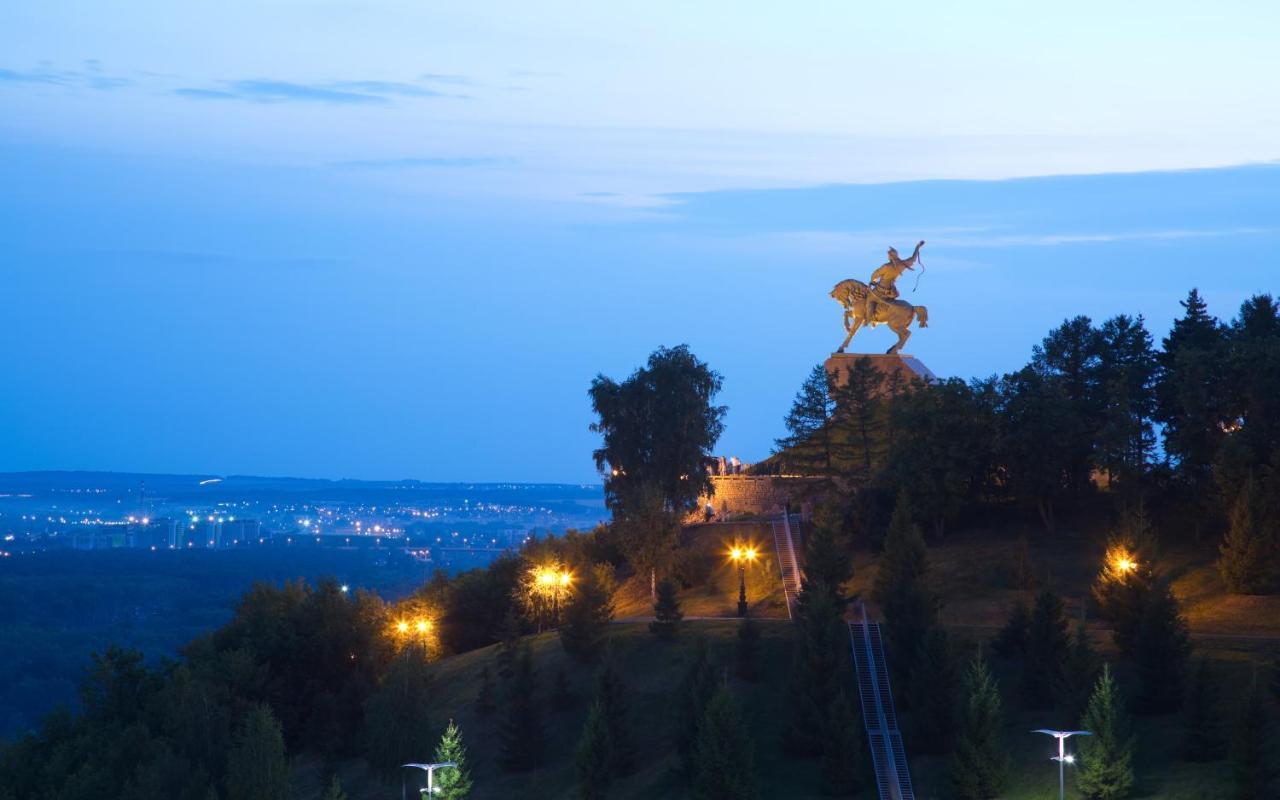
397, 239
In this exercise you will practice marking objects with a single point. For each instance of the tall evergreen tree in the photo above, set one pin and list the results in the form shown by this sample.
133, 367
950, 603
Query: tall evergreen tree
1071, 356
860, 435
594, 756
980, 766
1080, 674
257, 767
814, 681
522, 735
1246, 557
828, 557
1127, 383
1106, 756
696, 688
452, 783
1251, 768
1202, 735
1161, 651
586, 620
934, 687
1047, 651
844, 749
397, 728
901, 590
666, 611
725, 755
1011, 640
611, 696
1036, 441
807, 448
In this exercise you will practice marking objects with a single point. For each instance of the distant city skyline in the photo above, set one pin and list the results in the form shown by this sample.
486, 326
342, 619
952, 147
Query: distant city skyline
394, 240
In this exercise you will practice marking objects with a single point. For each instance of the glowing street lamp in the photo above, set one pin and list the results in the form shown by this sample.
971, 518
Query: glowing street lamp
430, 769
1062, 757
742, 555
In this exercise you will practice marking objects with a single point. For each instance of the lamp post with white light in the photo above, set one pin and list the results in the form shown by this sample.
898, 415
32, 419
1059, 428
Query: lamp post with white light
1062, 757
430, 769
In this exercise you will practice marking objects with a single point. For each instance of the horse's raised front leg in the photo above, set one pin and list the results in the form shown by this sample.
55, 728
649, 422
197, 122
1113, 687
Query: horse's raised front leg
857, 323
903, 335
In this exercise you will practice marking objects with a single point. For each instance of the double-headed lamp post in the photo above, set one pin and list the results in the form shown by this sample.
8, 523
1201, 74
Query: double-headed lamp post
431, 774
1062, 757
742, 556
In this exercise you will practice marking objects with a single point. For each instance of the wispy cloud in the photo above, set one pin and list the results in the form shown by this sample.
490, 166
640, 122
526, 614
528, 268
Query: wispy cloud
348, 92
451, 162
91, 77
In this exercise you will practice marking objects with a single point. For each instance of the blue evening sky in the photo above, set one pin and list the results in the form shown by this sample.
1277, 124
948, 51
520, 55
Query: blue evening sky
392, 239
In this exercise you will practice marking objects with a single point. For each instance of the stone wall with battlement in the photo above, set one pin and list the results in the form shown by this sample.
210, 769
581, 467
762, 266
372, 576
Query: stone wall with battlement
758, 495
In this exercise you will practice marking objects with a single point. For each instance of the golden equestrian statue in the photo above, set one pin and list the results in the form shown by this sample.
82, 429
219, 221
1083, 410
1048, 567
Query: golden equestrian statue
876, 301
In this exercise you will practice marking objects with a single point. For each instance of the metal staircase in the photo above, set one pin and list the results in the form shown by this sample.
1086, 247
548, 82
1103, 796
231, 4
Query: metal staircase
784, 544
888, 758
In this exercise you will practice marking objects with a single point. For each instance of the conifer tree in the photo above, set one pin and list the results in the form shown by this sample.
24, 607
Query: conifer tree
820, 643
934, 686
257, 767
725, 755
1106, 756
611, 696
808, 448
1191, 392
397, 728
902, 592
452, 783
1011, 640
586, 620
859, 438
594, 756
1202, 736
1048, 647
844, 749
522, 734
1250, 768
1161, 651
695, 689
980, 766
486, 695
333, 791
827, 557
666, 612
747, 649
1080, 675
1246, 555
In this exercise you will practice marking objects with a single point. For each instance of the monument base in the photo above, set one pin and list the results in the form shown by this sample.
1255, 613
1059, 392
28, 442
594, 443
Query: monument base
907, 368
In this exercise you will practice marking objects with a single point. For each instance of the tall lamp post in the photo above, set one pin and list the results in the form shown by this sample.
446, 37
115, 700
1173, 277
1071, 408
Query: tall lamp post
742, 556
431, 774
1062, 757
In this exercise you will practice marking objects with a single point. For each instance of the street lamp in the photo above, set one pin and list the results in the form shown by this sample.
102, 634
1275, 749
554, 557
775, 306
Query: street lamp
1062, 757
430, 769
742, 555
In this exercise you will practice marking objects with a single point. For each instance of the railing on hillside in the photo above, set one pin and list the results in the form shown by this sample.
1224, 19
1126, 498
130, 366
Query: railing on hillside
784, 544
888, 757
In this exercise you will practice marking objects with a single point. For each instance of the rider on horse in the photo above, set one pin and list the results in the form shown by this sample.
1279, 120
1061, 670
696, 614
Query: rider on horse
881, 287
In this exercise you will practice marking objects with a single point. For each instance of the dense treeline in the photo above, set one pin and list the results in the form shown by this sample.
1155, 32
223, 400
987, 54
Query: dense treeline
1193, 425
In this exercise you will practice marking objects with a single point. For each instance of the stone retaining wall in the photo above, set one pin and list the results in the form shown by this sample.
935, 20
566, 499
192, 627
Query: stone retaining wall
757, 495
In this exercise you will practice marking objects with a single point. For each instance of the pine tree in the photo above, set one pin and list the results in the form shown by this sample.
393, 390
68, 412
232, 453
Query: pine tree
807, 448
844, 749
859, 439
1106, 756
1161, 651
934, 686
725, 755
452, 783
334, 790
397, 728
1191, 392
522, 735
821, 641
980, 766
666, 612
1011, 641
1080, 674
1126, 577
827, 556
902, 592
1250, 767
257, 767
586, 620
690, 702
485, 701
1246, 557
611, 696
1202, 738
594, 756
747, 649
1048, 648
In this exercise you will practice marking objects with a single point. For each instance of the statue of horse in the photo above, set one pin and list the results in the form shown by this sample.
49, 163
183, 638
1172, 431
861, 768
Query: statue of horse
897, 314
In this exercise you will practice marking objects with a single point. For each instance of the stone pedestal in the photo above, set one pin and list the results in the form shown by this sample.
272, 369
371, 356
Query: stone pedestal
908, 368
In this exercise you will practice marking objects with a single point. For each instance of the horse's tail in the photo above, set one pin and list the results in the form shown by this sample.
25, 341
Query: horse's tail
922, 316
